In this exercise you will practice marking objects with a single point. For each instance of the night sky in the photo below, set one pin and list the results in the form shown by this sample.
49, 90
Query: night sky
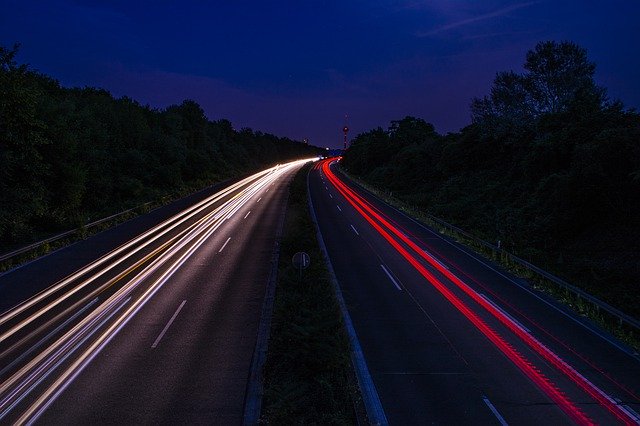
295, 68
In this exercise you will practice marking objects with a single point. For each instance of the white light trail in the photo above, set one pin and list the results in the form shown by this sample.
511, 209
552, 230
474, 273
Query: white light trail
168, 259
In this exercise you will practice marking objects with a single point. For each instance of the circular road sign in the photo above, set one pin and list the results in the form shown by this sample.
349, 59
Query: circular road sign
301, 260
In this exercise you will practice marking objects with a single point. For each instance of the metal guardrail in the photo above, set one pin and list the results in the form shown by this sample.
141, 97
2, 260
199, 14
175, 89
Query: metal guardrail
579, 293
599, 305
38, 244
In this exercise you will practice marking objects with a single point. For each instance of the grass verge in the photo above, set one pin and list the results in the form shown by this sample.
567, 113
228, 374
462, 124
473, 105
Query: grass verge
540, 283
308, 377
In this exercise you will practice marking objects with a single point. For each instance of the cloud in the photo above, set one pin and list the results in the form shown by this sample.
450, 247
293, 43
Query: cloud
473, 20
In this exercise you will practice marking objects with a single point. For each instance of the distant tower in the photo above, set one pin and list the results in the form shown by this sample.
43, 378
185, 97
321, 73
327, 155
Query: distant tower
345, 130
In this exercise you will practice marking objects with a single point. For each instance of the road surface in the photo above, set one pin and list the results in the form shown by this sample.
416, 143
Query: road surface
133, 327
450, 338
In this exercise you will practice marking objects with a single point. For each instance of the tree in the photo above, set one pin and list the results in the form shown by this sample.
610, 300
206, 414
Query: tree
411, 130
68, 154
558, 79
559, 75
21, 135
509, 108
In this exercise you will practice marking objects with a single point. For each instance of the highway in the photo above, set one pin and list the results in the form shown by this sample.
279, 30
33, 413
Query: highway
154, 321
451, 338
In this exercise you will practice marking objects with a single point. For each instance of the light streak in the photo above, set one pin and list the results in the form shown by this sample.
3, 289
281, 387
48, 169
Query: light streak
48, 336
164, 260
46, 365
127, 249
369, 213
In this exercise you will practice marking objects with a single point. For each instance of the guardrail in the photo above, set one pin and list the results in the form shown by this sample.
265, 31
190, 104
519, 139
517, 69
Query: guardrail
58, 237
599, 305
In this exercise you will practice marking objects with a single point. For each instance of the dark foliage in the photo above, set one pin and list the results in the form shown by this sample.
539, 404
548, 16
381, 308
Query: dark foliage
559, 187
308, 367
68, 155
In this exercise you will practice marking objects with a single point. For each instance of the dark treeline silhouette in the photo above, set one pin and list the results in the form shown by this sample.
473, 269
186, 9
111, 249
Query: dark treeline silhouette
549, 167
67, 155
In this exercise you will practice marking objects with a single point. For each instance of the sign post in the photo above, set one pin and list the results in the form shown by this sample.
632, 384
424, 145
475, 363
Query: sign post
301, 260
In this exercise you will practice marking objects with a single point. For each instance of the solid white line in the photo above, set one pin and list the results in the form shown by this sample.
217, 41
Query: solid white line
166, 327
245, 216
633, 412
224, 245
370, 396
572, 317
71, 338
495, 412
338, 207
259, 200
354, 230
437, 261
386, 271
267, 190
515, 321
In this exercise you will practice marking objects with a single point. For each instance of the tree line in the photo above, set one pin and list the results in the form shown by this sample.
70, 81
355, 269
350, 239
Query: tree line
549, 166
70, 154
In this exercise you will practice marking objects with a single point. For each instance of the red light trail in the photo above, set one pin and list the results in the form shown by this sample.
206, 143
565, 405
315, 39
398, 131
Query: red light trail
378, 222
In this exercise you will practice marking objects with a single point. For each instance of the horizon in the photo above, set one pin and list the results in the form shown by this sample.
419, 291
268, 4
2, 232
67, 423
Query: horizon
297, 73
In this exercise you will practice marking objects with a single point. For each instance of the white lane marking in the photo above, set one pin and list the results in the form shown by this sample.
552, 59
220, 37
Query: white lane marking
259, 200
354, 230
90, 324
245, 216
437, 261
338, 207
330, 195
326, 187
267, 190
166, 327
495, 412
503, 312
393, 280
575, 319
370, 396
224, 245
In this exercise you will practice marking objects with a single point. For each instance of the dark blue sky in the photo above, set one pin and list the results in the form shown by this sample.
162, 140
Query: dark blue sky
294, 68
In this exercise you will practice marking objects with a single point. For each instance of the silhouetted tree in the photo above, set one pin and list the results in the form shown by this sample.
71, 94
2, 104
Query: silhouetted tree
557, 175
21, 135
558, 77
70, 154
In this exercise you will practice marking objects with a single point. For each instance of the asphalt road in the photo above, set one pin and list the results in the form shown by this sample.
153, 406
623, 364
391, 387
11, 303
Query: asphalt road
451, 338
156, 327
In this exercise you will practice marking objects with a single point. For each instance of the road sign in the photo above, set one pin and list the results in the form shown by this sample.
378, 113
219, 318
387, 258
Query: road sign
301, 260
